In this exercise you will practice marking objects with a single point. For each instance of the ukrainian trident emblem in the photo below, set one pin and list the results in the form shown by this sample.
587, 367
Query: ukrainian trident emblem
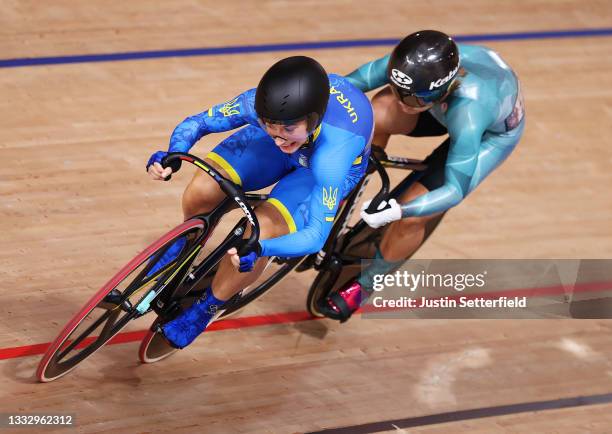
330, 197
230, 108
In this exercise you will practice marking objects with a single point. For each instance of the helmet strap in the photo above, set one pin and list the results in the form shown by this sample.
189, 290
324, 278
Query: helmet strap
312, 137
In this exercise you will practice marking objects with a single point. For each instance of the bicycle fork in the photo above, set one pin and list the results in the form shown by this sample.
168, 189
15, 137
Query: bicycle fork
145, 303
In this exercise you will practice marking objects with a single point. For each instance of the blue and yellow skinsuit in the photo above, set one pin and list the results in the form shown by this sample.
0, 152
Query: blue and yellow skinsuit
484, 117
310, 182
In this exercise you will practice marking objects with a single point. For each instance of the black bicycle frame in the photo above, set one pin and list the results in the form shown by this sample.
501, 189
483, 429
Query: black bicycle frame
235, 197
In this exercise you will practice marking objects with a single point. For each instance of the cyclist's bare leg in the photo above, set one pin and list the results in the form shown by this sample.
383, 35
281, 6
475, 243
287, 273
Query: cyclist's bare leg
402, 238
203, 193
228, 281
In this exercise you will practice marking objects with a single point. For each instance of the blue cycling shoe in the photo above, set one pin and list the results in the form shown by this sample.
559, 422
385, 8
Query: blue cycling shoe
183, 330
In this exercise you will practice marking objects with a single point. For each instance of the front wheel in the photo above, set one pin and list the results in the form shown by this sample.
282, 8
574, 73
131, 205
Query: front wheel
113, 306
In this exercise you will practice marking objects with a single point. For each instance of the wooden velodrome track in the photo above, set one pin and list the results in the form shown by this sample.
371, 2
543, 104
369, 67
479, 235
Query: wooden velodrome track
76, 204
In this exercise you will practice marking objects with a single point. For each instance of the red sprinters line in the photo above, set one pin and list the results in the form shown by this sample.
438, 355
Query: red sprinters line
126, 337
289, 317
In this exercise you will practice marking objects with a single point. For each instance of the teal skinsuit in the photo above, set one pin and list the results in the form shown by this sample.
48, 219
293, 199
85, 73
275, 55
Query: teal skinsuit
484, 117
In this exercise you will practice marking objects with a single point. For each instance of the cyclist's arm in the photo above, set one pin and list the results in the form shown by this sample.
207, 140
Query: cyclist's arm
370, 75
330, 169
222, 117
467, 123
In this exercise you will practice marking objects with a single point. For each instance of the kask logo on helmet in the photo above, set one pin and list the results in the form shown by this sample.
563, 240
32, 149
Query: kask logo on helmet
400, 79
435, 84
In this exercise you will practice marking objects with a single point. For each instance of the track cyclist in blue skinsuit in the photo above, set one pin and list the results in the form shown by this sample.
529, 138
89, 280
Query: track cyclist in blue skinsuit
435, 87
306, 131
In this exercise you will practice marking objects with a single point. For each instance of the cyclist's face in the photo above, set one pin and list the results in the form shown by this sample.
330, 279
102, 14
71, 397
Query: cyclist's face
411, 104
288, 138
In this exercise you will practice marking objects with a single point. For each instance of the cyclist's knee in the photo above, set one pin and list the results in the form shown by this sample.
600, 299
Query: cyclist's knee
410, 224
271, 222
415, 225
415, 190
202, 195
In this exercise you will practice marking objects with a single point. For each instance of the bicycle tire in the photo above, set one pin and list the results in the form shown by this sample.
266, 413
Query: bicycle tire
51, 367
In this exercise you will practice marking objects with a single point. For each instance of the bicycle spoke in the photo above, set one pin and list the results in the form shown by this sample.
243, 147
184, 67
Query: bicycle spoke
75, 342
108, 326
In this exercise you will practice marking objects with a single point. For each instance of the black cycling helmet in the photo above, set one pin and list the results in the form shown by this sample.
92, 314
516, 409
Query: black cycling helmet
293, 89
422, 67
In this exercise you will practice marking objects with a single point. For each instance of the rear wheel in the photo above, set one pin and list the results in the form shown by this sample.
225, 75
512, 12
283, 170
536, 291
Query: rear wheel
322, 285
154, 347
343, 266
274, 273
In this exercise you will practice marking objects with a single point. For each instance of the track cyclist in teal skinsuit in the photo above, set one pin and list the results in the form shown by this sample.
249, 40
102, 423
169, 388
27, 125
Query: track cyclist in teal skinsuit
435, 87
305, 131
